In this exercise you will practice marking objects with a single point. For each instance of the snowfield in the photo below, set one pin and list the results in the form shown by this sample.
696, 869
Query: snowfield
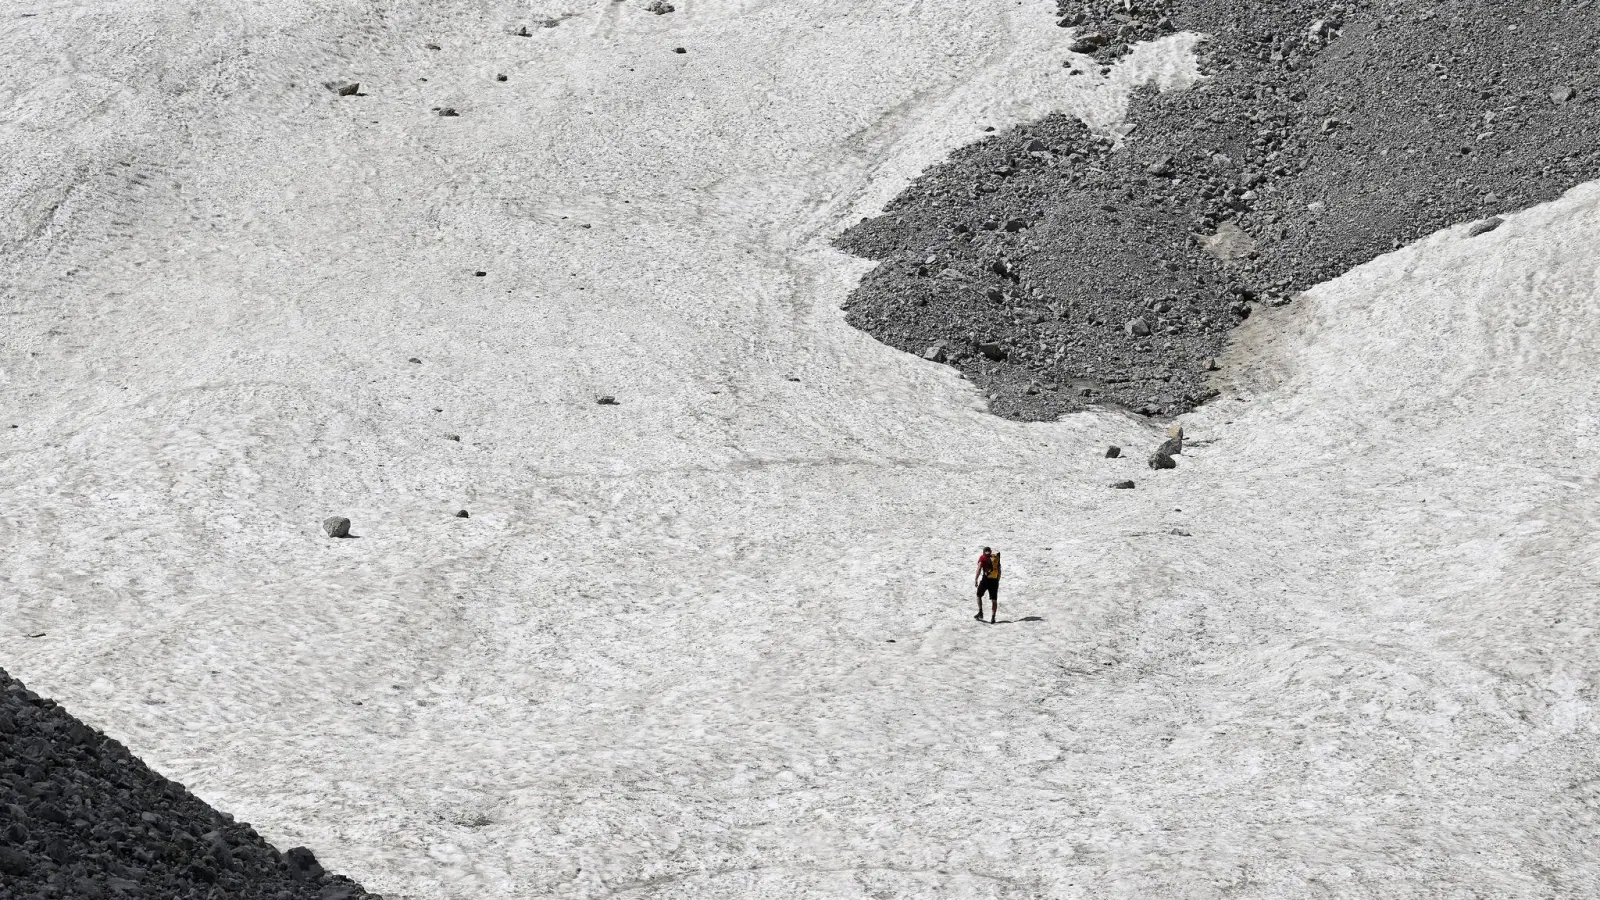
716, 641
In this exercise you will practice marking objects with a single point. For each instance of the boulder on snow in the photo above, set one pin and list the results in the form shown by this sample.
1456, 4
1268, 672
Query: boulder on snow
1159, 460
336, 526
303, 863
1123, 485
1486, 226
1173, 445
1113, 451
462, 514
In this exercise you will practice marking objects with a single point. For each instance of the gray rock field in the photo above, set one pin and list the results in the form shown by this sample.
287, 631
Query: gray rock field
1061, 268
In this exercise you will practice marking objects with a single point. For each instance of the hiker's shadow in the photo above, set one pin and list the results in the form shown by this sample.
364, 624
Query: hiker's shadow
1023, 619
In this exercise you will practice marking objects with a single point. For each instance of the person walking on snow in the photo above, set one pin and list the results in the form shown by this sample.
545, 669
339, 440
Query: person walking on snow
988, 581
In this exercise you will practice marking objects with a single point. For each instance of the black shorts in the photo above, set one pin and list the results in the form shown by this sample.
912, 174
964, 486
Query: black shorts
990, 586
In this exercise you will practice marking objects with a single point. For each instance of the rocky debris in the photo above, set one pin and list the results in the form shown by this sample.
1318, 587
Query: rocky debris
343, 88
336, 526
500, 77
430, 46
935, 353
660, 7
414, 360
83, 819
1113, 452
1122, 485
1563, 94
448, 111
479, 274
1302, 157
992, 350
462, 514
606, 400
1230, 243
680, 50
1159, 460
453, 437
1137, 327
1486, 226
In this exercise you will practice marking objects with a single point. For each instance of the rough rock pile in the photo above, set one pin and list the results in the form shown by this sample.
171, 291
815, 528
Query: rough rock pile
82, 818
1057, 268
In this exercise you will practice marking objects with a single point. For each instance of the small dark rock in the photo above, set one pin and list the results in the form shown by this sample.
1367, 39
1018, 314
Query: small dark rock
660, 7
448, 112
1123, 485
462, 514
303, 863
343, 88
500, 78
1486, 226
414, 360
1113, 452
680, 50
336, 526
1159, 460
606, 400
479, 274
14, 862
992, 351
430, 46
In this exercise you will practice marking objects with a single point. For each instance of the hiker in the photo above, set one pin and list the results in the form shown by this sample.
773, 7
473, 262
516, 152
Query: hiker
988, 581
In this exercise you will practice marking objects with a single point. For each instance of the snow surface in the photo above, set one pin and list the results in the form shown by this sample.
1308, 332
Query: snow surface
655, 662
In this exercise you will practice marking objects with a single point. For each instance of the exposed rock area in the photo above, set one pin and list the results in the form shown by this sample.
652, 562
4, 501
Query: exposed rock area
1058, 269
81, 817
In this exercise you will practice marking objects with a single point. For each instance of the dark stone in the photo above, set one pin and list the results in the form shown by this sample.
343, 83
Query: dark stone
500, 78
1486, 226
1113, 452
1123, 485
606, 400
14, 862
992, 350
448, 111
462, 514
303, 863
679, 50
660, 7
479, 274
336, 526
1160, 460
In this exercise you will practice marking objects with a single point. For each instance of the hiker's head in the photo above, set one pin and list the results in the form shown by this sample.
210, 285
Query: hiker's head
987, 550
